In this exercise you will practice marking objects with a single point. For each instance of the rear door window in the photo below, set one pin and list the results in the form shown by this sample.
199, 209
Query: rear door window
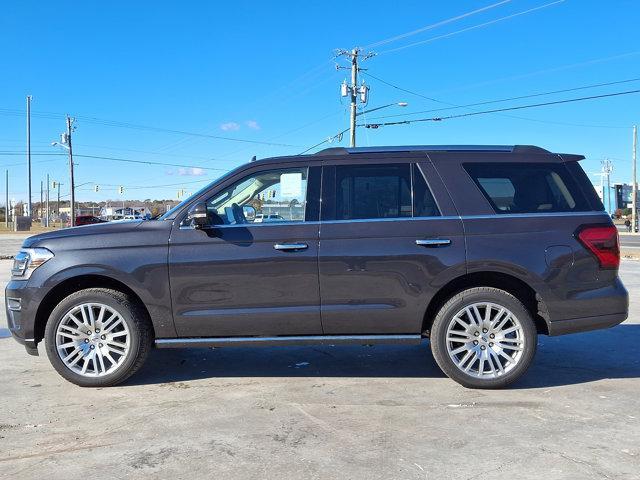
528, 187
373, 191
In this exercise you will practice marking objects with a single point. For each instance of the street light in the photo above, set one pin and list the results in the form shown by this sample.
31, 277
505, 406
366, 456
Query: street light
396, 104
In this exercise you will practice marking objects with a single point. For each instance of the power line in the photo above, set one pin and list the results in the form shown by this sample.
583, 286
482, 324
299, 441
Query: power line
134, 126
487, 102
115, 159
481, 25
147, 162
506, 109
434, 25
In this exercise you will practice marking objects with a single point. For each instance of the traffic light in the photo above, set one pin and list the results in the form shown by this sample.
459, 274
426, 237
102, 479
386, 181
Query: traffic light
121, 190
54, 184
96, 188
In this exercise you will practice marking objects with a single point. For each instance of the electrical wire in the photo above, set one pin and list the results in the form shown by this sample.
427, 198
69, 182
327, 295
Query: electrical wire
134, 126
487, 102
506, 109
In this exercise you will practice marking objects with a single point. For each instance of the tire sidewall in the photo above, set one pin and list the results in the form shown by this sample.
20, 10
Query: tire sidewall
478, 295
120, 304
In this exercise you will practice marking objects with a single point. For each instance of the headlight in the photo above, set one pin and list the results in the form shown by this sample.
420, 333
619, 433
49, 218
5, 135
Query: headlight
28, 260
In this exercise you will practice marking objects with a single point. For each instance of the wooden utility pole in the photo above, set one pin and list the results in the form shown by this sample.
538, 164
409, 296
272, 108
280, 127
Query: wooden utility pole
71, 181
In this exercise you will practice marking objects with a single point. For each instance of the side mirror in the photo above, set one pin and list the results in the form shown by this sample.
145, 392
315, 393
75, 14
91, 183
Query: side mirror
249, 213
197, 215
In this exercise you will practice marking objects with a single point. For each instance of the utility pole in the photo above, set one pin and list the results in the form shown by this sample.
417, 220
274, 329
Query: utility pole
47, 200
6, 205
634, 184
353, 91
72, 185
29, 148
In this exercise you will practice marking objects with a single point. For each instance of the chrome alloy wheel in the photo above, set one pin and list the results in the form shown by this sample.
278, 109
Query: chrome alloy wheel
485, 340
92, 339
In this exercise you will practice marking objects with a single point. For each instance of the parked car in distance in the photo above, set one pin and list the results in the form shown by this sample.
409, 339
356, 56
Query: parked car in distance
480, 249
86, 220
271, 217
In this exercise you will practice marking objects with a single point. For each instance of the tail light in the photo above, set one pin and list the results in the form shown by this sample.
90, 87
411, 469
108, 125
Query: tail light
603, 242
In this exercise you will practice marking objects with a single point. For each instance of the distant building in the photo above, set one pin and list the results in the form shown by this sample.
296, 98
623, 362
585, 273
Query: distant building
622, 195
116, 213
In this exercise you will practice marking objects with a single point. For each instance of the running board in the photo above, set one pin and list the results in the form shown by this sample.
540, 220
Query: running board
289, 340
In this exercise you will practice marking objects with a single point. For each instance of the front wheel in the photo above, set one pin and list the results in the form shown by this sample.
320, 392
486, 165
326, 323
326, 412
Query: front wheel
483, 337
97, 337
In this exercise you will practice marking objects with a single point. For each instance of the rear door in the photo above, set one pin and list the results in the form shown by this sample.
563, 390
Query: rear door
389, 239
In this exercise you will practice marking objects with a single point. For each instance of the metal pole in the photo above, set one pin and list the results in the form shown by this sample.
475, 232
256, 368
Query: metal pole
634, 184
40, 212
72, 186
354, 95
47, 209
609, 185
29, 148
6, 205
58, 205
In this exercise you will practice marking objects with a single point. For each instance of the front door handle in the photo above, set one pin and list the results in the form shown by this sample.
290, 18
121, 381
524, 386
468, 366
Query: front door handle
290, 246
433, 242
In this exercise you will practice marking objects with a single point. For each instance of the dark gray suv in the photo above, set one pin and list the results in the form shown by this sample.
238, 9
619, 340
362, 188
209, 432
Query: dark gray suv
477, 248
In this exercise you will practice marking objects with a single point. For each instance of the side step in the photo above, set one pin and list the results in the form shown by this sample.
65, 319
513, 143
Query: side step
289, 340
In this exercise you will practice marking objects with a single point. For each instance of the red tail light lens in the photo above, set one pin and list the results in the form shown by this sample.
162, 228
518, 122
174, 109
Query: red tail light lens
603, 242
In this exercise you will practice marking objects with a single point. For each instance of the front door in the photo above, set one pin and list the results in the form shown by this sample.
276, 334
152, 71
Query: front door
255, 271
386, 246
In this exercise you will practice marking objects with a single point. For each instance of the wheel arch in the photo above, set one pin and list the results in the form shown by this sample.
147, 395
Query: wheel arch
504, 281
75, 284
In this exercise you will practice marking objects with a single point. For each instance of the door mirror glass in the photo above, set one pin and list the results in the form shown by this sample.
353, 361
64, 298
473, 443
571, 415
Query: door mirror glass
197, 215
249, 213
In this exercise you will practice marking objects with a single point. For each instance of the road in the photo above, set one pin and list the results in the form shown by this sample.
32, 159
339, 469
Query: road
630, 241
382, 412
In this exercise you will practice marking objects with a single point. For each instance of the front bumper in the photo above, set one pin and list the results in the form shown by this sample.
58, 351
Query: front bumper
21, 310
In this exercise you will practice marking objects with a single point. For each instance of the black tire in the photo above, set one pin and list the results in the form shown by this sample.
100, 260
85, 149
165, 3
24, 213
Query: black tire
455, 304
136, 319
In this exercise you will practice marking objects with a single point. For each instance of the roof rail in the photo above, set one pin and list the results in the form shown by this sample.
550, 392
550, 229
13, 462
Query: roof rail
434, 148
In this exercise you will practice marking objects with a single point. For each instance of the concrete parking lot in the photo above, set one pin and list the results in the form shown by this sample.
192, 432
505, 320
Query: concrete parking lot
383, 412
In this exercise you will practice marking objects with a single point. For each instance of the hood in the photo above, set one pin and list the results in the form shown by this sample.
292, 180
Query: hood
83, 231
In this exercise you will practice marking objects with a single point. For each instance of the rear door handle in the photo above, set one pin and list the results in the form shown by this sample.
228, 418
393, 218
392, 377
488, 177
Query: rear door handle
290, 246
433, 242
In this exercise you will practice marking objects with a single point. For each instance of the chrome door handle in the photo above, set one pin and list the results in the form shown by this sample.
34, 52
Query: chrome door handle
433, 242
290, 246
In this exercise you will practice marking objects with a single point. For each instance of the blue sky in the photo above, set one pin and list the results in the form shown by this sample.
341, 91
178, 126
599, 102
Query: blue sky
264, 72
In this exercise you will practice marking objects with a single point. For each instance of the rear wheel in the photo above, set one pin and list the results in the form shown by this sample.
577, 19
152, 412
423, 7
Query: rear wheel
483, 337
97, 337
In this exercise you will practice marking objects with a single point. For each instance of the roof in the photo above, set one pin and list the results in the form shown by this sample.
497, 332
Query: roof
435, 148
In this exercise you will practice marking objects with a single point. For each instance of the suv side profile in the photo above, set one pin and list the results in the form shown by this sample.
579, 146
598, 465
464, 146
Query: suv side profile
478, 248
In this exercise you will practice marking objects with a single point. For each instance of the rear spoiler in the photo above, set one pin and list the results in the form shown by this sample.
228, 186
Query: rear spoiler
569, 157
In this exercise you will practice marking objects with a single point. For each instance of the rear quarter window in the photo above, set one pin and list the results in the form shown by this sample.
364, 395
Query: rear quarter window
528, 187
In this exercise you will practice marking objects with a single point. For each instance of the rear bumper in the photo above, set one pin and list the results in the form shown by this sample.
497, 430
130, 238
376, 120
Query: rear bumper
598, 308
576, 325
